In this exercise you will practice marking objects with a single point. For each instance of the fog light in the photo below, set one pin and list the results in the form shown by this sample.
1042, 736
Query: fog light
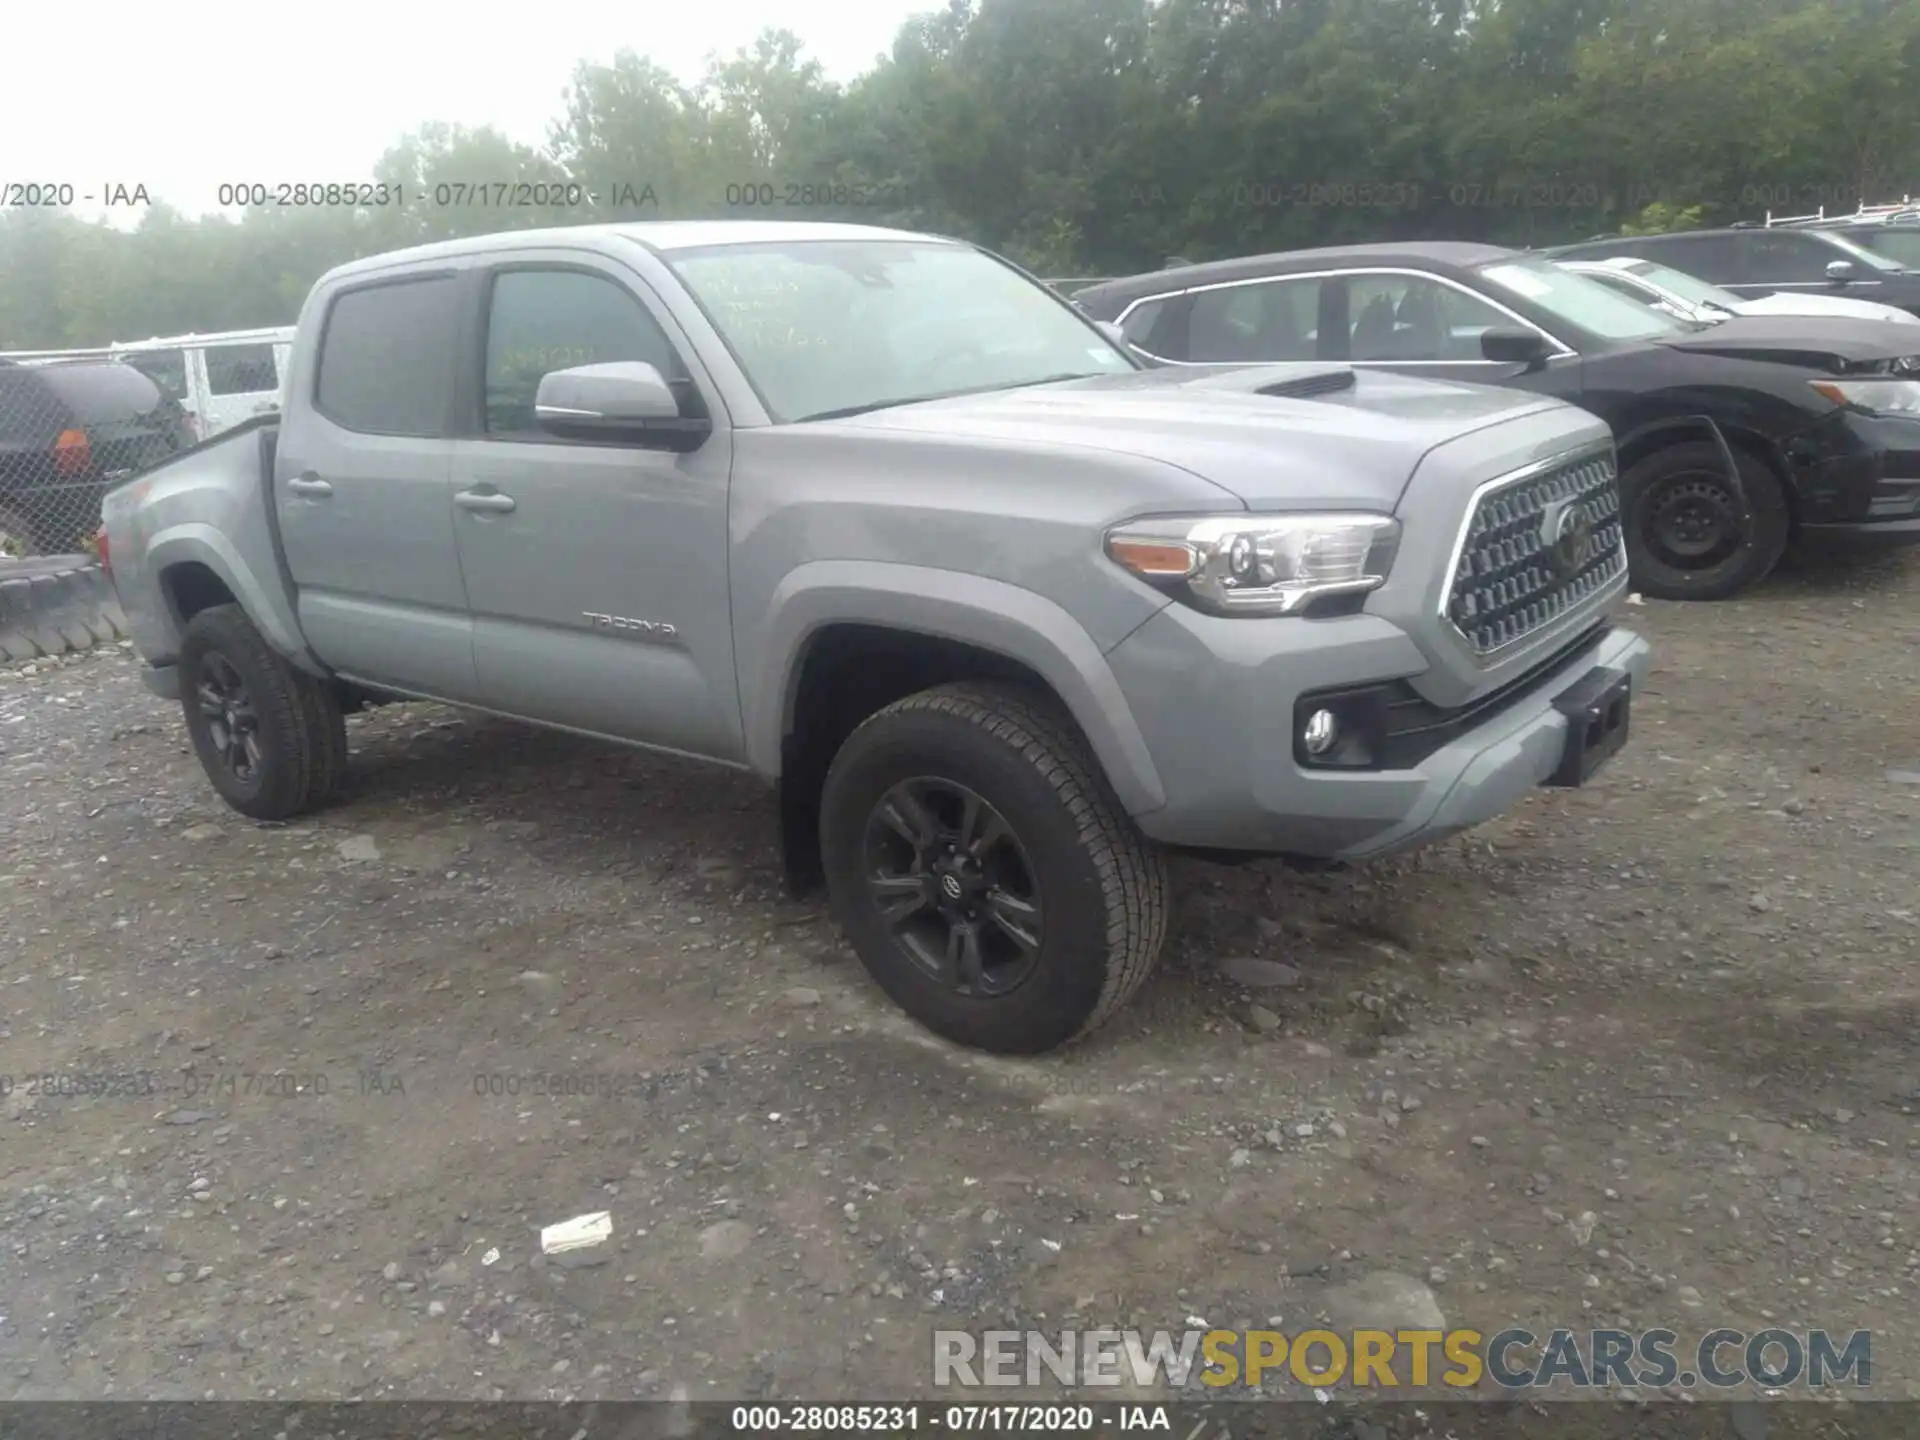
1320, 731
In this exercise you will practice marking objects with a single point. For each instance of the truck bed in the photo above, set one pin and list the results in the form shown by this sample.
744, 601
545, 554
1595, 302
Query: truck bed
198, 524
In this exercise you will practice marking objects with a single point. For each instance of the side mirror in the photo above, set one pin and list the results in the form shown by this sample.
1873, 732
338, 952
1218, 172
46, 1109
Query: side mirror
624, 400
1514, 347
1840, 271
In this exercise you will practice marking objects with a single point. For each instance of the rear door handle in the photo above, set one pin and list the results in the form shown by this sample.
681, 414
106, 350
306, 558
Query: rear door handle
488, 500
309, 484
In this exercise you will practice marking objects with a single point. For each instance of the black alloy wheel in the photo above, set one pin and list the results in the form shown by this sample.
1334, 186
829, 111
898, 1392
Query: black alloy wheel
232, 726
270, 735
953, 884
983, 870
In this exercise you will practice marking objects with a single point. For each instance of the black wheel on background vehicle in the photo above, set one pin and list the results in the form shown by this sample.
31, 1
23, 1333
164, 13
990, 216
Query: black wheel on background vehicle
984, 871
271, 737
1691, 533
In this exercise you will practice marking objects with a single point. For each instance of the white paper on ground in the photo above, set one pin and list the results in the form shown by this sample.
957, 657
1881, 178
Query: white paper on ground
577, 1233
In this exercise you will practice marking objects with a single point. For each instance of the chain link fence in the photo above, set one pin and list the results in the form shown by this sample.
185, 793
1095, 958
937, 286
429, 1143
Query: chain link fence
71, 427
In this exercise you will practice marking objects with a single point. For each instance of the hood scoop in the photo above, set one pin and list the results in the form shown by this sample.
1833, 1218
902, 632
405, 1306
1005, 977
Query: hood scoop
1305, 387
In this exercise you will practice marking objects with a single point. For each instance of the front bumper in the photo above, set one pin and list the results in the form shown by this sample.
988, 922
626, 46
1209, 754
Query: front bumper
1859, 481
1215, 700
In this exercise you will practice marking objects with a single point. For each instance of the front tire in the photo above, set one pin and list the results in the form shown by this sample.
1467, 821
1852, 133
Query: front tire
985, 873
1690, 534
270, 736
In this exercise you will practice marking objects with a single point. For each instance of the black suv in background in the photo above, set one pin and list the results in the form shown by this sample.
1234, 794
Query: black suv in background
1765, 261
69, 429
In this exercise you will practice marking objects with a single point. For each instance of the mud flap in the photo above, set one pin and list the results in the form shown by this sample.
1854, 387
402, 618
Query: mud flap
1731, 466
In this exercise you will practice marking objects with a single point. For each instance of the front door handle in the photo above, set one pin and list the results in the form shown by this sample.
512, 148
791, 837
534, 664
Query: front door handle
309, 484
488, 500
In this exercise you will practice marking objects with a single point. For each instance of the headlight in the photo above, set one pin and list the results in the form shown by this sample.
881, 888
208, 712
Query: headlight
1258, 564
1882, 397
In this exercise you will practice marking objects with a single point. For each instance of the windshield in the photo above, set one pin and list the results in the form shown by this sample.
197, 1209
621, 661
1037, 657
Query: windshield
1694, 291
1900, 246
1581, 301
830, 327
1856, 252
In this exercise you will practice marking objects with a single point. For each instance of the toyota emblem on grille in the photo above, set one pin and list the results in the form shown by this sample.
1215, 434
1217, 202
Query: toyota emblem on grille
951, 884
1567, 531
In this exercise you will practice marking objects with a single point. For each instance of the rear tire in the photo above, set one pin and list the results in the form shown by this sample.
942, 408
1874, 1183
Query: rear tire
985, 873
270, 736
1689, 534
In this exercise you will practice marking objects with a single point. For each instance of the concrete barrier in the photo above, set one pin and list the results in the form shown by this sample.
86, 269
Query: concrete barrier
51, 604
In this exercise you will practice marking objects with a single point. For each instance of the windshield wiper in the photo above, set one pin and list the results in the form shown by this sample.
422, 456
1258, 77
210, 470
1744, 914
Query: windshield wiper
846, 411
850, 410
1054, 379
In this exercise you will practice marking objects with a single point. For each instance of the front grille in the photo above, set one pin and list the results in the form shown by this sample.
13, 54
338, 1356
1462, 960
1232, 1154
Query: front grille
1513, 577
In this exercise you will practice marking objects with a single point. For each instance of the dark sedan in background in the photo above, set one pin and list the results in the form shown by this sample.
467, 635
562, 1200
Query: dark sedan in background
68, 430
1733, 438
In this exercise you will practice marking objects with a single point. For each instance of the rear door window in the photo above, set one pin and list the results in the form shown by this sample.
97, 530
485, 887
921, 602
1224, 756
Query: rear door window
241, 370
387, 357
1265, 320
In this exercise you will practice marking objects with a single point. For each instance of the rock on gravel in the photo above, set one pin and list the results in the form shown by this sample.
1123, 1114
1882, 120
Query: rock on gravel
1258, 974
1384, 1300
725, 1240
358, 847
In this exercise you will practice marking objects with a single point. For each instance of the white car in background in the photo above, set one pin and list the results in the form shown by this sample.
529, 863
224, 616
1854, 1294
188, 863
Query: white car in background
219, 380
1687, 298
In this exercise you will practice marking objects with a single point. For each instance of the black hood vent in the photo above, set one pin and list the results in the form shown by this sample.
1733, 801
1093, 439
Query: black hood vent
1306, 387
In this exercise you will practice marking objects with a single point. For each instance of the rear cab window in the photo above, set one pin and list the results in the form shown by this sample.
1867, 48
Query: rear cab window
387, 354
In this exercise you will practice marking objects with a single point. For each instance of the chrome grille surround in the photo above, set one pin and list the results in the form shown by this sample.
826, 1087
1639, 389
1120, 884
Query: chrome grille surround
1509, 581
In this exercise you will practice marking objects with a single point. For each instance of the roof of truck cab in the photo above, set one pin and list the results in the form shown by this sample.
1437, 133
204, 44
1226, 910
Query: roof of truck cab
662, 236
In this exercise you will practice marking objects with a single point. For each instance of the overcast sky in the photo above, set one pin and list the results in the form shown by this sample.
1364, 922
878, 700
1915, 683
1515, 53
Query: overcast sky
183, 97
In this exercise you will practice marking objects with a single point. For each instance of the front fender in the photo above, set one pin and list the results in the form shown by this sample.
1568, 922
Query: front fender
262, 597
973, 610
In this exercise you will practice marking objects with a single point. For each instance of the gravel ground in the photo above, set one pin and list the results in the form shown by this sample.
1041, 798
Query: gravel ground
1639, 1054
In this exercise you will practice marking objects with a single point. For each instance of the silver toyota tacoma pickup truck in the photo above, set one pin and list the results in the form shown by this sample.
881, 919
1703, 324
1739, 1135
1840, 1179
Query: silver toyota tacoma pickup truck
1006, 617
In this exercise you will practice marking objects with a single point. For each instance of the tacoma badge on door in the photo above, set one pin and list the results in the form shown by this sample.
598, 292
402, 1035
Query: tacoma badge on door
657, 631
